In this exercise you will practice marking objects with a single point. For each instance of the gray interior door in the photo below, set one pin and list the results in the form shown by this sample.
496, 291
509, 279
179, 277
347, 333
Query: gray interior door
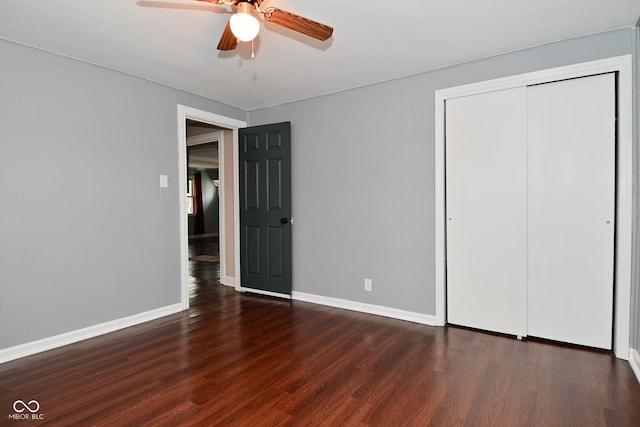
265, 208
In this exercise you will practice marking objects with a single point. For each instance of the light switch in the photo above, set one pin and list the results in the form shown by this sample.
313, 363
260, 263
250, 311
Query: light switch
164, 181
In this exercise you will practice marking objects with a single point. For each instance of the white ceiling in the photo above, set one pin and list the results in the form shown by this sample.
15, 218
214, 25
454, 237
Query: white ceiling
174, 42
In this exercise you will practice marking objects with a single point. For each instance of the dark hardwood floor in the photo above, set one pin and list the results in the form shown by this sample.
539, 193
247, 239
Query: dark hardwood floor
245, 360
203, 275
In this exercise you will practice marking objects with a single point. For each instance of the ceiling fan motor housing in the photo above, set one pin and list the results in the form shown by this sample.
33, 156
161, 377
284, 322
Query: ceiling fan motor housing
244, 26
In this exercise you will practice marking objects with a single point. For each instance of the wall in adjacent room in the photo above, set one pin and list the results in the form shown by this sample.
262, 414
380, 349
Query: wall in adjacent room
210, 201
229, 202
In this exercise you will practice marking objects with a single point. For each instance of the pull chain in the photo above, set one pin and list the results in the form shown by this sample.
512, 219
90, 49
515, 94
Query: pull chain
253, 53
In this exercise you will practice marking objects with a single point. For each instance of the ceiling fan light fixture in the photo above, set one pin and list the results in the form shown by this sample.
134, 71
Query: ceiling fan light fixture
244, 25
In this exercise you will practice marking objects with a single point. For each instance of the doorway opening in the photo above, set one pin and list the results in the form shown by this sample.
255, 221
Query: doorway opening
203, 206
196, 130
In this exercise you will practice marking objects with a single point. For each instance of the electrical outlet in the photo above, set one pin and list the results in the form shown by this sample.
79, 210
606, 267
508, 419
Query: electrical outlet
368, 285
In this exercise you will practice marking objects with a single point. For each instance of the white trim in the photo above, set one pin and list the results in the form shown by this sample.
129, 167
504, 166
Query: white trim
394, 313
620, 64
236, 210
205, 138
228, 280
537, 77
634, 361
185, 113
49, 343
267, 293
222, 208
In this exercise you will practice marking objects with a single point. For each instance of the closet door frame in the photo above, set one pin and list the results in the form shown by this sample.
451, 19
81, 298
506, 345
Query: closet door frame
622, 65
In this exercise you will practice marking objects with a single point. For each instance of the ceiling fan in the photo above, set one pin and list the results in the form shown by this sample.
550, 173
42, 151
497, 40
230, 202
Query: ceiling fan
244, 26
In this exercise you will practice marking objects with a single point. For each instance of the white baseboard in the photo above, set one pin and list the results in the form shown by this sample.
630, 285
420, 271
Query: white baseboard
228, 281
634, 361
379, 310
49, 343
267, 293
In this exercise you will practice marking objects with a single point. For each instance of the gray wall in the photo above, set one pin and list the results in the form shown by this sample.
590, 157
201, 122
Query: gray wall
86, 233
363, 175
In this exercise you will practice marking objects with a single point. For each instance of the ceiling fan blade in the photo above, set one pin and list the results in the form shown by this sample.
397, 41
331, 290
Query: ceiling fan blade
228, 41
220, 1
298, 23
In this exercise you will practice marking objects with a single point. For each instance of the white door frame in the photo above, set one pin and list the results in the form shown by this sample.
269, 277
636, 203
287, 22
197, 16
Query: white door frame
624, 179
184, 113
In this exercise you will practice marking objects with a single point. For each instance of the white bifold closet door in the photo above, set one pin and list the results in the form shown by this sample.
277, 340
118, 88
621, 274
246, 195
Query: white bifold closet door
530, 178
571, 186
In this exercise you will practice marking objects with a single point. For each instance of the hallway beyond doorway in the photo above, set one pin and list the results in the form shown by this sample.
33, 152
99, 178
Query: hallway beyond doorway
203, 275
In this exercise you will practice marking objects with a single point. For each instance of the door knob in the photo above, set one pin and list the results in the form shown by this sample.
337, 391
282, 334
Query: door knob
286, 220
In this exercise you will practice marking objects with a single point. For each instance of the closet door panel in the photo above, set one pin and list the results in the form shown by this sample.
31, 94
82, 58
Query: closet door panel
486, 211
571, 199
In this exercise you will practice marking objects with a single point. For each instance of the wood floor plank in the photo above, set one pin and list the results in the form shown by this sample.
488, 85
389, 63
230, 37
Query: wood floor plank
239, 359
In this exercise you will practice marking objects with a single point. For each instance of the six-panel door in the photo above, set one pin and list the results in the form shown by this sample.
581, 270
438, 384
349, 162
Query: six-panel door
265, 207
